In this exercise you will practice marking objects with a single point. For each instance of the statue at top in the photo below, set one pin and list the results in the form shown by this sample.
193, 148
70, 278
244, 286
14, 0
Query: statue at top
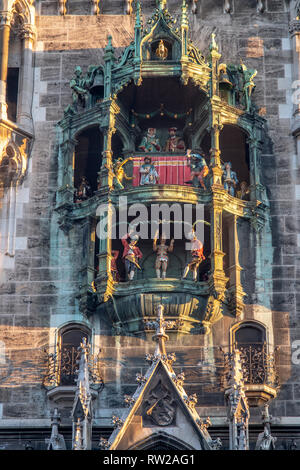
248, 84
79, 90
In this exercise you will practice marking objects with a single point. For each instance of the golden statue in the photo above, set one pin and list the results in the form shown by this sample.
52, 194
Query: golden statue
161, 52
119, 171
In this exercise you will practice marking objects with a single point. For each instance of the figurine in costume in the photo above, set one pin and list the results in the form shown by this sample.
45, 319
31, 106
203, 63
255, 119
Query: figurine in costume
199, 168
131, 255
230, 178
84, 191
174, 143
244, 192
150, 143
148, 172
119, 172
113, 265
162, 257
197, 257
78, 87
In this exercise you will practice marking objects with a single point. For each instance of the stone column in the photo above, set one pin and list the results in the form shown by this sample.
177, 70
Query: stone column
218, 280
66, 164
256, 188
5, 19
235, 287
24, 117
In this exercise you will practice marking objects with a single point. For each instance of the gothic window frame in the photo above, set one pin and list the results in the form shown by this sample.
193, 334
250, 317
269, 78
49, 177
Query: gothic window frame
71, 356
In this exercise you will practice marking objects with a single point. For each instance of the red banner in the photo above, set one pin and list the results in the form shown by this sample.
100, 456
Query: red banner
171, 169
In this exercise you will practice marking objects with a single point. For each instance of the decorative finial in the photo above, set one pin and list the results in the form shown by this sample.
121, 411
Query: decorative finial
138, 11
184, 10
213, 45
56, 441
160, 336
161, 4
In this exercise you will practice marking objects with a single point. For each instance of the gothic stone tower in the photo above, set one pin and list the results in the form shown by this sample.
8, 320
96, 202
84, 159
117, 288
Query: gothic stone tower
87, 91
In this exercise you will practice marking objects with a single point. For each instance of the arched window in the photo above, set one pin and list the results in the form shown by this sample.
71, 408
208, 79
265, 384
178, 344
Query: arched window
70, 339
88, 160
250, 339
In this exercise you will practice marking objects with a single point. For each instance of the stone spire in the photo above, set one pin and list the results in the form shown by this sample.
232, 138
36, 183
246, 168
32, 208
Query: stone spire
237, 405
265, 440
82, 408
56, 441
184, 28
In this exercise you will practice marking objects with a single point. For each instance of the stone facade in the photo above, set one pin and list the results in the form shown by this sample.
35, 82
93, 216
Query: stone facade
40, 282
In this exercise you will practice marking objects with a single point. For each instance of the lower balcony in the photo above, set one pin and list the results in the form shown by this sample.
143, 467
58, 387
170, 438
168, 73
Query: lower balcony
61, 376
260, 375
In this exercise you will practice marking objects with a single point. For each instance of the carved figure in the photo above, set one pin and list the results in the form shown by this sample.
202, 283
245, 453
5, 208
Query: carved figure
162, 51
131, 255
148, 172
162, 257
149, 142
244, 192
230, 178
174, 143
199, 168
78, 87
197, 257
84, 191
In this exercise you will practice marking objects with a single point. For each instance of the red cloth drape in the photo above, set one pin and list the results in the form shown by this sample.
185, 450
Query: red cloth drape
171, 169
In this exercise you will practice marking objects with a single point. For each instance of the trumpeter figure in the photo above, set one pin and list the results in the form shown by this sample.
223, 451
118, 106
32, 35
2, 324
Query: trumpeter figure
131, 255
197, 257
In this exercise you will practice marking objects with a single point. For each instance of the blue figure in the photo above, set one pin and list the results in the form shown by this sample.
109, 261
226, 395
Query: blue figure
148, 172
199, 168
230, 178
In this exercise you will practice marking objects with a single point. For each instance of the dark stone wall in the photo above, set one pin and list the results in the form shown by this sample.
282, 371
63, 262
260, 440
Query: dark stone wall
38, 293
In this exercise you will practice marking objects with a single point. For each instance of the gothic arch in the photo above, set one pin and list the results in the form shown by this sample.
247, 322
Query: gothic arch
249, 323
161, 441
